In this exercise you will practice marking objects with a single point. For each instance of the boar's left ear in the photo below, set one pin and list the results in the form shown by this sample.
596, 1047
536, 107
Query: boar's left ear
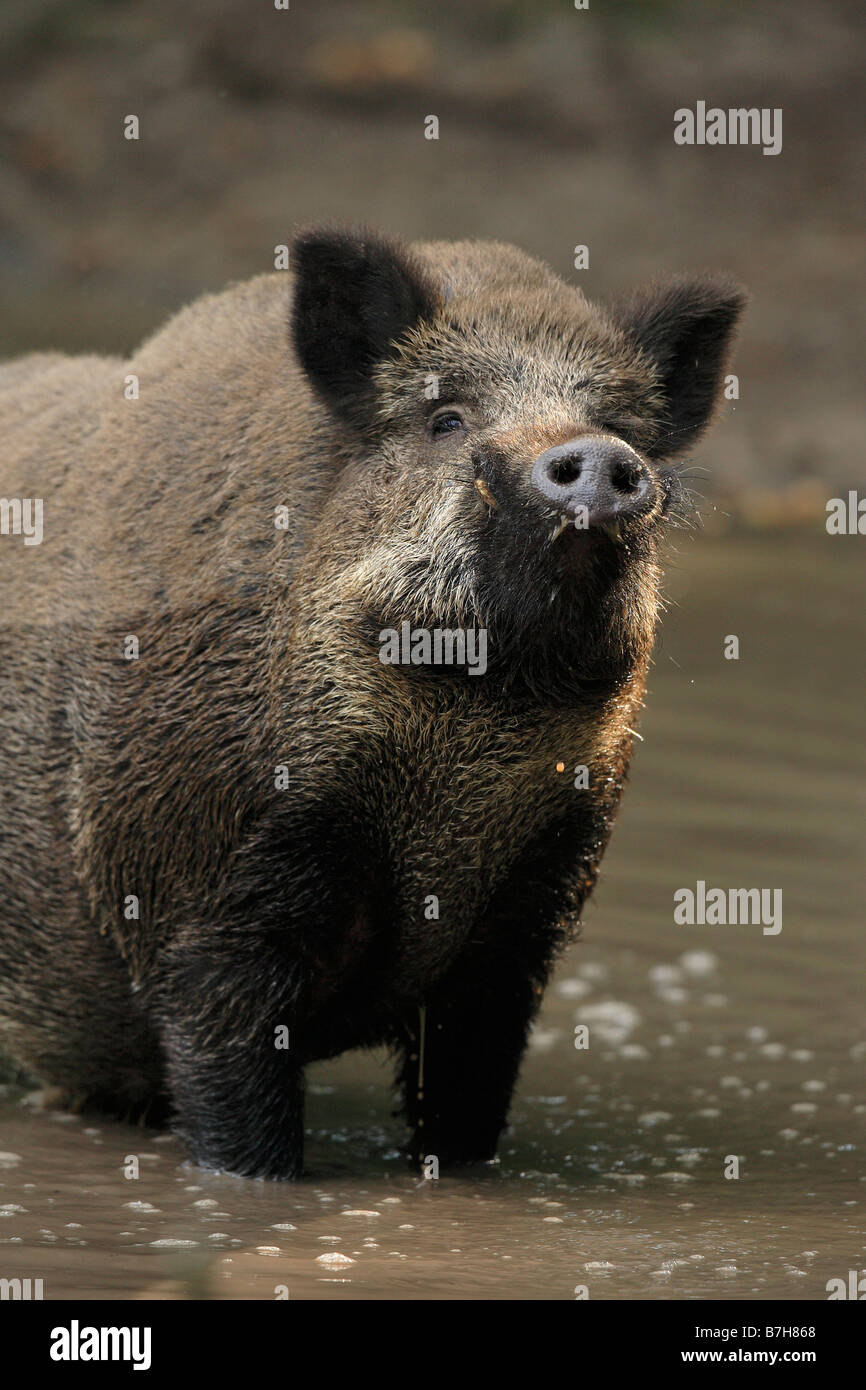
686, 327
355, 294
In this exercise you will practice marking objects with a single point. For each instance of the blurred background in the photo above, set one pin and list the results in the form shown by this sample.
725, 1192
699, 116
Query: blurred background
556, 129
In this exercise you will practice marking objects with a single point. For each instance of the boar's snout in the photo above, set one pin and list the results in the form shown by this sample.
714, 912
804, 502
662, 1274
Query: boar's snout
594, 480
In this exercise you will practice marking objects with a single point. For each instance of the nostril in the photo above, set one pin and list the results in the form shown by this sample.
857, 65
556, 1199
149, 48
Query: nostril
601, 477
565, 470
626, 475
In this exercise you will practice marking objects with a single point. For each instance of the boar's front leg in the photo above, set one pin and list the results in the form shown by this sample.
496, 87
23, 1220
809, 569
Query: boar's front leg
460, 1067
457, 1089
467, 1043
227, 1005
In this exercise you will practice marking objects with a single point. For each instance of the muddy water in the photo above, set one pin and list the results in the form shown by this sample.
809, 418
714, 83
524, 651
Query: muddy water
705, 1041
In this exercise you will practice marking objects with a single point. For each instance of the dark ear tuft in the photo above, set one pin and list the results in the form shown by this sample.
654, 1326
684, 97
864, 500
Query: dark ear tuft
686, 327
355, 294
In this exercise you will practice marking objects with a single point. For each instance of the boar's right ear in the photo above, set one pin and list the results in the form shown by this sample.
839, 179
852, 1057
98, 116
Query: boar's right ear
685, 327
355, 294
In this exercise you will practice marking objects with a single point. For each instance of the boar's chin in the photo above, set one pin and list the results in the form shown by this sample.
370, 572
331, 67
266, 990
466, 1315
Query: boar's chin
561, 634
553, 647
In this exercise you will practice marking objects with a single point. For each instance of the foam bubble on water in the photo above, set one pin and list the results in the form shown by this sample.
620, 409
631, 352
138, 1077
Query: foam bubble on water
360, 1212
333, 1258
268, 1250
573, 989
802, 1054
634, 1052
610, 1020
678, 1177
814, 1085
804, 1107
283, 1226
730, 1081
592, 970
331, 1240
598, 1264
12, 1209
673, 994
699, 963
8, 1160
660, 976
544, 1039
690, 1158
757, 1034
773, 1050
556, 1220
142, 1206
169, 1243
219, 1235
654, 1117
206, 1202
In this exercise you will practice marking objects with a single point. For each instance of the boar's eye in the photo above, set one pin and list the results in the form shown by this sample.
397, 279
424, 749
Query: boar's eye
445, 422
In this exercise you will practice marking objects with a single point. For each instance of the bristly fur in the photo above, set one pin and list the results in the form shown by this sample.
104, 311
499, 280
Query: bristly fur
153, 781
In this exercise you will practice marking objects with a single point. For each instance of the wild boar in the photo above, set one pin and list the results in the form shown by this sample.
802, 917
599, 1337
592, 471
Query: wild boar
241, 830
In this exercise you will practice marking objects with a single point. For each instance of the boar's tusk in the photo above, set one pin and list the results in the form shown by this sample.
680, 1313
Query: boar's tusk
484, 492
